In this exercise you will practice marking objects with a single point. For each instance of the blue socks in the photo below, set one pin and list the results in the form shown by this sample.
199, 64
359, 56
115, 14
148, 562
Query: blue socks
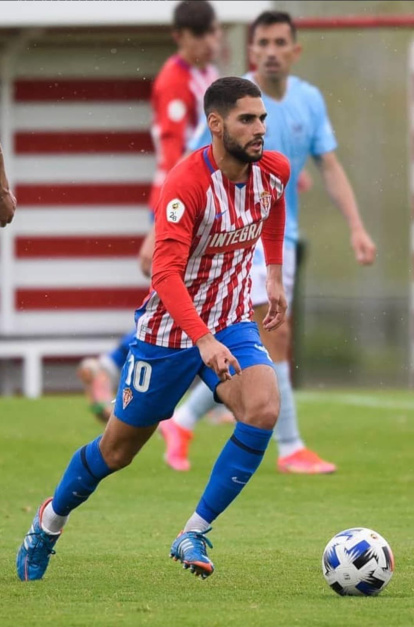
237, 462
86, 469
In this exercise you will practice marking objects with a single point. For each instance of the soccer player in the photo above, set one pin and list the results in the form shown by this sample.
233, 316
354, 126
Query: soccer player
7, 199
298, 126
213, 207
177, 107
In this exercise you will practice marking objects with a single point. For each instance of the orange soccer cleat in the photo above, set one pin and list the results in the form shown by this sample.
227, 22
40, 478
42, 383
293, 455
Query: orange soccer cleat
305, 462
178, 441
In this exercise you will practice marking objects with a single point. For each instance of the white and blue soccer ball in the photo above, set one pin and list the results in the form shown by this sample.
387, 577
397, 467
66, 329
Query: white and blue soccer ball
357, 562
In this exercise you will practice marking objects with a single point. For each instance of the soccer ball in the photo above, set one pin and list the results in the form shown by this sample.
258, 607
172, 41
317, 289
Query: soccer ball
357, 562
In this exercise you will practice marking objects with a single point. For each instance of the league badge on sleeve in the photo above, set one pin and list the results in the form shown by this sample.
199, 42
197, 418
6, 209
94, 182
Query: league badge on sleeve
175, 210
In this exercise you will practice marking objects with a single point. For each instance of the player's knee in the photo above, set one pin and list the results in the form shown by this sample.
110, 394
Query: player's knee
118, 458
283, 335
265, 417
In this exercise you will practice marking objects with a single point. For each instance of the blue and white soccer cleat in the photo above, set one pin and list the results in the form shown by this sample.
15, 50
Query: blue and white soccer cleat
190, 548
34, 554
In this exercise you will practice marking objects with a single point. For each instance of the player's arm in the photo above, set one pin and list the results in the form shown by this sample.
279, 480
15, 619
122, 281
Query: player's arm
272, 238
173, 235
146, 252
173, 110
340, 191
7, 199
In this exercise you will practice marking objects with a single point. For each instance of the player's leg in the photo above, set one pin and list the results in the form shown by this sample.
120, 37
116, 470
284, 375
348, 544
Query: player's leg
150, 374
254, 400
88, 466
293, 455
178, 431
100, 376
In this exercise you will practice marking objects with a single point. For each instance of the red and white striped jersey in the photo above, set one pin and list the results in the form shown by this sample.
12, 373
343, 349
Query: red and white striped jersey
177, 104
219, 222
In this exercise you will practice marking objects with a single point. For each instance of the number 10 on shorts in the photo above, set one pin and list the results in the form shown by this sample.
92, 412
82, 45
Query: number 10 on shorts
139, 374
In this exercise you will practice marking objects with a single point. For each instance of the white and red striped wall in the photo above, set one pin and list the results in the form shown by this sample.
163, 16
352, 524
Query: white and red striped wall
82, 168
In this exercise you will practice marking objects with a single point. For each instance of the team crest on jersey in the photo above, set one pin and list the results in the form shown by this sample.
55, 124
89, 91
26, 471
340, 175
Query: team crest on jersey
127, 397
265, 203
175, 211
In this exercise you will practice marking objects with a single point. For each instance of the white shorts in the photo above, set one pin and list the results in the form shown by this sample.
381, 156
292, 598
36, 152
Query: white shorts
259, 273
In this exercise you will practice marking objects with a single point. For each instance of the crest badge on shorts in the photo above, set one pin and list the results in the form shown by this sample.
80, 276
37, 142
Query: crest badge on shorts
127, 397
265, 203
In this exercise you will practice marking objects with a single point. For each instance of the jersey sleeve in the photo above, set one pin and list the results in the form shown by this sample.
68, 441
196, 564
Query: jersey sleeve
323, 139
274, 228
175, 218
170, 259
177, 208
173, 106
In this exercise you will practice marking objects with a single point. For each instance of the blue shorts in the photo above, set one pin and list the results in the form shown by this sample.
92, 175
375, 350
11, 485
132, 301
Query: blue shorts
154, 378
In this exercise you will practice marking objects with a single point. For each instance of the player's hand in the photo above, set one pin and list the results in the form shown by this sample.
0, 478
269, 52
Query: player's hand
305, 182
146, 253
363, 246
276, 313
7, 207
217, 357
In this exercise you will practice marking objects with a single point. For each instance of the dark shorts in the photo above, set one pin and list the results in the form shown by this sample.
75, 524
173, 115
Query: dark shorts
154, 378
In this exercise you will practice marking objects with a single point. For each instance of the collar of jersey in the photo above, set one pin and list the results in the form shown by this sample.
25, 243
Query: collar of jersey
212, 166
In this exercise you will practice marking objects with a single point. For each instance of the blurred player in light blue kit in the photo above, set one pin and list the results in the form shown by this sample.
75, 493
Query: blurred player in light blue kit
298, 126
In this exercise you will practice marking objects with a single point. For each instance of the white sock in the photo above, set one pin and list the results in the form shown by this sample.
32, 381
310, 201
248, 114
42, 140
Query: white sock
52, 523
200, 401
286, 432
196, 523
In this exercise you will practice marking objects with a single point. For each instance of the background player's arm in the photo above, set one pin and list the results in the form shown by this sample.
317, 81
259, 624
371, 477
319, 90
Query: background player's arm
146, 252
340, 191
172, 112
7, 200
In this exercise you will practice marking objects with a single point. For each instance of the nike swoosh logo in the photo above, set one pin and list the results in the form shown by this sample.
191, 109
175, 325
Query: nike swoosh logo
218, 215
235, 480
262, 348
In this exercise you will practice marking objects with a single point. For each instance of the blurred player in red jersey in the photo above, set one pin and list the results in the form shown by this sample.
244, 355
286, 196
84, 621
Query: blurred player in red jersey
213, 208
177, 107
7, 200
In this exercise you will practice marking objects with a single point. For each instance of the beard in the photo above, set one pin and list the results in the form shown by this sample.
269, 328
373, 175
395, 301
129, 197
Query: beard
238, 151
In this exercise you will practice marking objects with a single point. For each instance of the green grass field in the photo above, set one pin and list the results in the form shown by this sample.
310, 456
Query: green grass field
112, 566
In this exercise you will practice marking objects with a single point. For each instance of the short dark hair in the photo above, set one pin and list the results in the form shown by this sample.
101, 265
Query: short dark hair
196, 15
267, 18
223, 94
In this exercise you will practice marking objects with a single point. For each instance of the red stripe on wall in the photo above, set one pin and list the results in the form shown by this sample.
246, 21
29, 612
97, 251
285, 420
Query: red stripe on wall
79, 299
92, 194
115, 142
79, 90
59, 247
